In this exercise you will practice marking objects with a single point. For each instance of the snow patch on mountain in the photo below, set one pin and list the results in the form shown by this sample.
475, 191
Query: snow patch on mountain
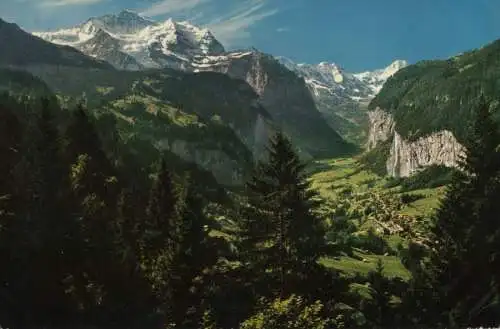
133, 42
331, 80
376, 79
151, 44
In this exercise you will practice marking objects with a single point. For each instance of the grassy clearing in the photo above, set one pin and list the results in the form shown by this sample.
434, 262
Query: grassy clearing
366, 263
341, 181
330, 176
426, 205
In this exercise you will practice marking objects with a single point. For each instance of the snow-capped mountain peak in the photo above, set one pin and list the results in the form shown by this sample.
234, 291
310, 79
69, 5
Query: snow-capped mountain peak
393, 69
125, 22
329, 80
376, 79
130, 35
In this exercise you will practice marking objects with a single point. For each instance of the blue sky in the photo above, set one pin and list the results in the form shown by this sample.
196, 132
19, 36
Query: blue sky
357, 34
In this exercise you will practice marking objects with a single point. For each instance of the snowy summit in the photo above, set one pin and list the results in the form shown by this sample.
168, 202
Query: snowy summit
141, 41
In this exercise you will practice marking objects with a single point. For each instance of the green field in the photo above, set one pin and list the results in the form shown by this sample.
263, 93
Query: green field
368, 262
347, 171
369, 202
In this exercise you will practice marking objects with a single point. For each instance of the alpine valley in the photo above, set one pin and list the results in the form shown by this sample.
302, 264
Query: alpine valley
314, 104
152, 178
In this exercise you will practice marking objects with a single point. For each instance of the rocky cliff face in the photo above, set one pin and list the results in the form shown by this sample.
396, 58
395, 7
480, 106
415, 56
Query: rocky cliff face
286, 96
381, 127
343, 97
407, 157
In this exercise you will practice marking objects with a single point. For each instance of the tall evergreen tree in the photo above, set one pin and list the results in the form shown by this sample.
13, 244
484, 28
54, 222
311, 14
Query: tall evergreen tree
161, 239
381, 296
162, 215
280, 229
94, 187
193, 256
10, 140
11, 132
463, 270
127, 224
49, 206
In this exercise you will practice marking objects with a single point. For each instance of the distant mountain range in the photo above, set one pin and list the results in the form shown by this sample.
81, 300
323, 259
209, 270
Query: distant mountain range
131, 42
331, 79
124, 61
21, 48
416, 118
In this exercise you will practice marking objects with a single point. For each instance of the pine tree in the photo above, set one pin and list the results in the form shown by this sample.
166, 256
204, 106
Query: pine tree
83, 140
49, 206
161, 239
193, 233
11, 132
10, 140
467, 232
161, 227
280, 229
192, 256
127, 226
94, 189
381, 294
207, 321
42, 233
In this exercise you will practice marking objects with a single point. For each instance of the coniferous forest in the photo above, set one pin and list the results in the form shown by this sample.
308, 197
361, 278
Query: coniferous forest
91, 238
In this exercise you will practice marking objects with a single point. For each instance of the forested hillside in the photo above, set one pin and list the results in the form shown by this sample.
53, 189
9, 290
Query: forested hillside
93, 237
431, 96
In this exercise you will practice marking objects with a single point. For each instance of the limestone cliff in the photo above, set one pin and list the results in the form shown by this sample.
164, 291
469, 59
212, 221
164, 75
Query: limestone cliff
407, 157
381, 127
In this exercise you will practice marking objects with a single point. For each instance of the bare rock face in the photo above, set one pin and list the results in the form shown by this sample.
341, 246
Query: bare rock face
407, 157
381, 127
287, 98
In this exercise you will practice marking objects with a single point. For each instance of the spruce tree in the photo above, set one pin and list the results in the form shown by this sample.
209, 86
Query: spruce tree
94, 189
280, 229
49, 206
10, 140
466, 234
11, 132
162, 216
161, 239
127, 225
381, 295
192, 255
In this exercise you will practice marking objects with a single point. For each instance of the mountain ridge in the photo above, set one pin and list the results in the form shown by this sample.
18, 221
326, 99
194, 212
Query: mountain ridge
422, 114
180, 45
25, 49
185, 47
152, 44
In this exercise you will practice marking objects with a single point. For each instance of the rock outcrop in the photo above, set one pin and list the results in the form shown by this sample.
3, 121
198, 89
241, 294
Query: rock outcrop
381, 127
407, 157
287, 98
